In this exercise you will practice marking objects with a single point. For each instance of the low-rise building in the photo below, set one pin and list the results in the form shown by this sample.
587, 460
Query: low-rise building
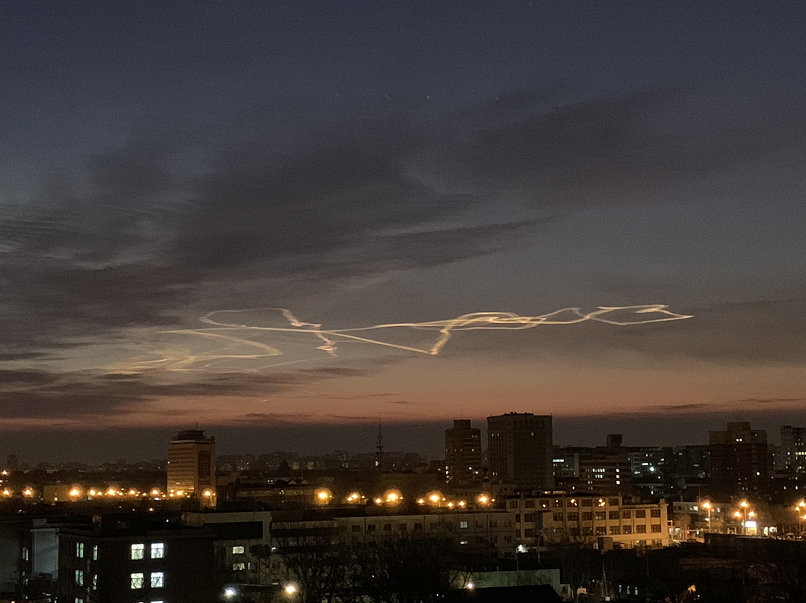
492, 531
559, 517
242, 542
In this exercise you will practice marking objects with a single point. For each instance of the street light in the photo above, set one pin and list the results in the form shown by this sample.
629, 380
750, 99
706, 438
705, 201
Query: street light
323, 496
744, 505
707, 506
799, 508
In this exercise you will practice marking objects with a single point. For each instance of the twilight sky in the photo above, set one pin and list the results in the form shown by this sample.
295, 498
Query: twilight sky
205, 207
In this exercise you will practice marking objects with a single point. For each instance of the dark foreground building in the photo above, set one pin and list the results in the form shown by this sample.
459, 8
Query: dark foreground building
542, 593
132, 558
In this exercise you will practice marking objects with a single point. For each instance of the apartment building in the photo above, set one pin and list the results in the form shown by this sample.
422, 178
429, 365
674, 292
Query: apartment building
492, 531
560, 517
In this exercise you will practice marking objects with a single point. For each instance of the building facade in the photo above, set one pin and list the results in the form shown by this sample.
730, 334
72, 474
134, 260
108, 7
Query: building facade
191, 467
463, 453
556, 518
520, 449
605, 472
123, 558
741, 461
242, 542
793, 449
488, 532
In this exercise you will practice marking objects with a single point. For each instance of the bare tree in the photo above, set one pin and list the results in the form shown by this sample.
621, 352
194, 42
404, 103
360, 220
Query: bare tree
404, 569
783, 573
314, 560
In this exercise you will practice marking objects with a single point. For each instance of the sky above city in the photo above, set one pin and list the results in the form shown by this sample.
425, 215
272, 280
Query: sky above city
287, 222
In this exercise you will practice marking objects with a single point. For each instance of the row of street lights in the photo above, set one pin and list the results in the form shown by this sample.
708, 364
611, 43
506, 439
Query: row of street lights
747, 516
744, 512
393, 497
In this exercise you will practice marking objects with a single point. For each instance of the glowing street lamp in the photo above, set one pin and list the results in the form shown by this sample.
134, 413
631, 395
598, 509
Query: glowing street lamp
323, 496
28, 492
738, 516
435, 497
483, 499
392, 496
800, 506
290, 590
707, 506
744, 505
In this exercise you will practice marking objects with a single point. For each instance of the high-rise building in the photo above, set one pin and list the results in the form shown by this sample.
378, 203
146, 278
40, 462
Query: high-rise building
605, 471
462, 453
520, 447
191, 467
741, 462
793, 449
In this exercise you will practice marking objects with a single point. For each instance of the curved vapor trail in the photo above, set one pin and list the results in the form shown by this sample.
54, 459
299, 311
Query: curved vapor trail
445, 327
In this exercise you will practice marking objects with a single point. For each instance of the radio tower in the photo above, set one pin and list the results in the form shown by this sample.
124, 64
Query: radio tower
379, 448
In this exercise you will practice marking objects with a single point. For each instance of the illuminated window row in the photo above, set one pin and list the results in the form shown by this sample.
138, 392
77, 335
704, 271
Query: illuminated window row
138, 551
138, 580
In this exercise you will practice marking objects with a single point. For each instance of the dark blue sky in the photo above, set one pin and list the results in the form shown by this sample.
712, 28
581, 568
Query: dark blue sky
371, 163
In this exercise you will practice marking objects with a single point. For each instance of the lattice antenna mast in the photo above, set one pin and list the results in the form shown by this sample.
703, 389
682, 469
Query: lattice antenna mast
379, 448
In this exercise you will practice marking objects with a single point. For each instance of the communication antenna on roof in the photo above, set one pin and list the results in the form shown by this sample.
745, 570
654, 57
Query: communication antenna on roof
379, 448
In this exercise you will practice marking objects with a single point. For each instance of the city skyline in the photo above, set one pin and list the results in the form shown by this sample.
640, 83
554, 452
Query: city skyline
293, 220
132, 446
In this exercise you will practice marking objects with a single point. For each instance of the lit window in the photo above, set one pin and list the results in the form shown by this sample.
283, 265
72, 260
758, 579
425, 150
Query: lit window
463, 524
137, 580
95, 552
79, 578
237, 550
25, 555
157, 550
80, 550
78, 600
157, 579
238, 566
138, 551
95, 582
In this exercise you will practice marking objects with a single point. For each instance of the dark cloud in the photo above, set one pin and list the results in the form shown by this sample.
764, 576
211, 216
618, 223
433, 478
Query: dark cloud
747, 332
44, 395
26, 377
626, 148
680, 407
270, 419
146, 230
772, 400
